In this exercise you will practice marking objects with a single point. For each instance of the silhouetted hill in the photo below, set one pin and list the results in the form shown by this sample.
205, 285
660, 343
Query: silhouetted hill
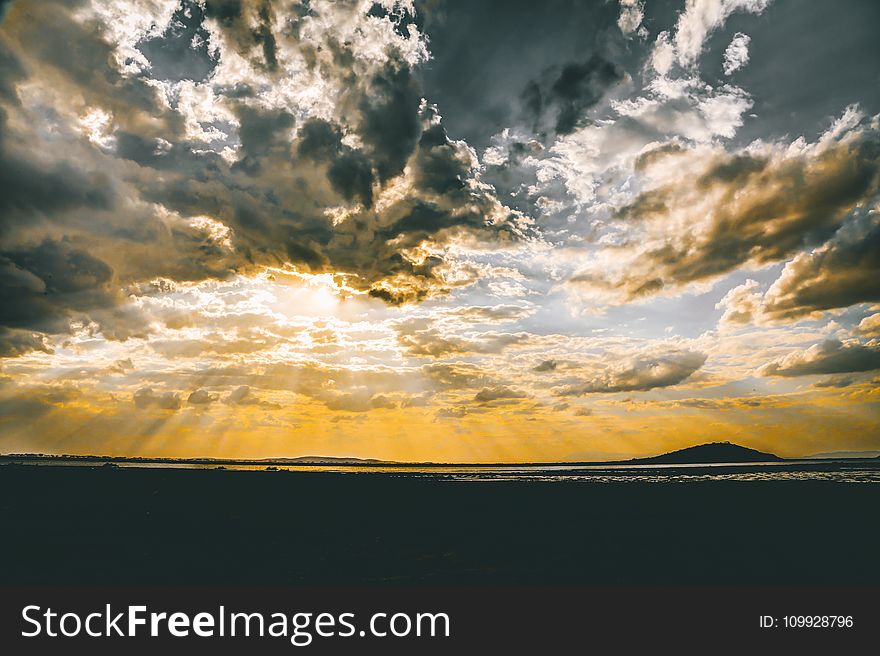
710, 453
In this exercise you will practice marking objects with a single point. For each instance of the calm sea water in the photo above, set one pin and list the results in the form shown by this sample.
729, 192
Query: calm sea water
849, 471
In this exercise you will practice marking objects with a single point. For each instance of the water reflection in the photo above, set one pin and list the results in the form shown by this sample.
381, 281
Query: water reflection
849, 471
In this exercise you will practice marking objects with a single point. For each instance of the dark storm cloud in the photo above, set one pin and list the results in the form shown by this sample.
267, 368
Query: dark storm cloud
390, 122
28, 188
85, 63
263, 34
829, 357
531, 71
275, 199
226, 12
18, 342
564, 94
348, 170
232, 17
125, 201
11, 71
836, 382
40, 284
53, 207
486, 53
655, 154
442, 166
33, 193
150, 152
263, 134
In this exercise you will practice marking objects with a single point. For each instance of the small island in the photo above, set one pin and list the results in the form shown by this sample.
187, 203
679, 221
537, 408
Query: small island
712, 453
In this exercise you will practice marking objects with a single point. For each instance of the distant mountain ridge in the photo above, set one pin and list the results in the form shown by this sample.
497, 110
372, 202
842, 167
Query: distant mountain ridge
327, 460
714, 452
845, 454
711, 453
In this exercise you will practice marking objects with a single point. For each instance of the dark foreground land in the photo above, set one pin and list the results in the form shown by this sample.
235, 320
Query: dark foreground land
83, 525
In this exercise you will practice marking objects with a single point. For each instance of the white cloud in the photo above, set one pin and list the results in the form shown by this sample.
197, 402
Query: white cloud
741, 304
694, 26
126, 23
97, 126
663, 54
870, 326
737, 54
596, 162
704, 211
632, 12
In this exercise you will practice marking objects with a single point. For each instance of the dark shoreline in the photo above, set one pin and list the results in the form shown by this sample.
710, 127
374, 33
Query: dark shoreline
129, 526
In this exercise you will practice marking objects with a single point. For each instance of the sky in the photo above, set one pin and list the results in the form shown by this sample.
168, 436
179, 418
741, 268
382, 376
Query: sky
442, 231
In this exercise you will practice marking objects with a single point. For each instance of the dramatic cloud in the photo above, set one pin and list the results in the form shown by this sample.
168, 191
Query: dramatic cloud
712, 212
830, 357
19, 342
639, 374
870, 326
418, 230
197, 140
562, 95
842, 272
41, 283
599, 166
